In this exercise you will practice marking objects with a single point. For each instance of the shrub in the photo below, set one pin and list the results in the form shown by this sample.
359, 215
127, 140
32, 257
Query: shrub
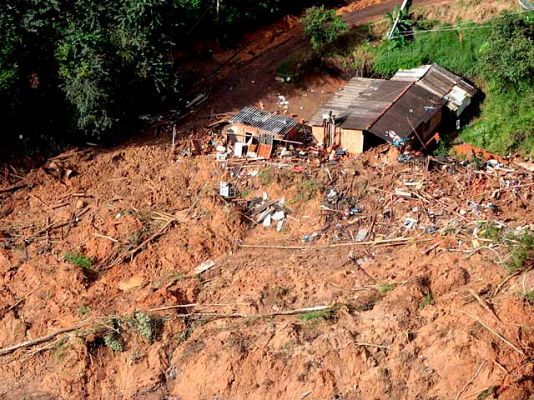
427, 300
317, 315
145, 325
387, 287
322, 26
80, 260
507, 57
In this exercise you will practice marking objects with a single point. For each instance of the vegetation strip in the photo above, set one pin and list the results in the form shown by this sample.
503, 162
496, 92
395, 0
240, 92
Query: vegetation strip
86, 323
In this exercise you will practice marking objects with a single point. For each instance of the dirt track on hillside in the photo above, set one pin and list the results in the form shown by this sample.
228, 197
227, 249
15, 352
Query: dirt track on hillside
243, 82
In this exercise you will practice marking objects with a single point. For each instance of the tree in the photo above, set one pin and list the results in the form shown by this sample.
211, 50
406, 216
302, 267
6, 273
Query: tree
403, 27
507, 58
322, 26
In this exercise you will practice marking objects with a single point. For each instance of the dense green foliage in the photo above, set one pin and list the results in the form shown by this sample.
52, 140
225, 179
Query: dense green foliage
402, 28
499, 56
322, 26
79, 68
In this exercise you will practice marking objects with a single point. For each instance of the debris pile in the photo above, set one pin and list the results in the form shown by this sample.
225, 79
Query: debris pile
266, 212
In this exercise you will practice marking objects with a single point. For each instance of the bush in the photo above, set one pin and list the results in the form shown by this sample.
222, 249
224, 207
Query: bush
502, 54
507, 57
80, 260
322, 26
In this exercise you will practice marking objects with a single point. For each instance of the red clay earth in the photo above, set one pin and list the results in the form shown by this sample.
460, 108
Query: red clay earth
409, 323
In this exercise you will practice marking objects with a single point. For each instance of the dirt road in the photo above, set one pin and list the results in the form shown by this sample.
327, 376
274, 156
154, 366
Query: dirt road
242, 84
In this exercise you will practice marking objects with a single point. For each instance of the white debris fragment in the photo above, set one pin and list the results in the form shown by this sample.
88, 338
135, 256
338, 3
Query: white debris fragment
204, 267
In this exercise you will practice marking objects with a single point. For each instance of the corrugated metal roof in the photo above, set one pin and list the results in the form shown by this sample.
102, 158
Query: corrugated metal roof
362, 101
435, 79
413, 109
411, 75
254, 117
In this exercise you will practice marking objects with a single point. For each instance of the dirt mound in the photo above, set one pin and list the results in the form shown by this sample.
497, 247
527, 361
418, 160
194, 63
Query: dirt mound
435, 316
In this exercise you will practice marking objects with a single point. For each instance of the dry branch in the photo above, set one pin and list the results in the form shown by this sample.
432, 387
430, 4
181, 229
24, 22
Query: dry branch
12, 188
39, 340
494, 332
391, 242
471, 380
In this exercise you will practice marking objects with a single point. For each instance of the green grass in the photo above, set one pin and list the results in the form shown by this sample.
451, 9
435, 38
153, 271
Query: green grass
307, 190
490, 231
506, 122
317, 315
84, 310
266, 176
427, 300
80, 260
522, 248
454, 50
529, 296
387, 287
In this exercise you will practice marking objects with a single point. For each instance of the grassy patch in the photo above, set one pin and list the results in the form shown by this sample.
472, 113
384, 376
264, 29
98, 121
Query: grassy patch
506, 122
490, 231
266, 176
456, 50
529, 296
491, 391
427, 300
307, 190
80, 260
522, 249
387, 287
317, 315
84, 310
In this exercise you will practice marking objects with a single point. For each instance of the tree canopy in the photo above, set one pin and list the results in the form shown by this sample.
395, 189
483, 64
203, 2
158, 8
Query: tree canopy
88, 68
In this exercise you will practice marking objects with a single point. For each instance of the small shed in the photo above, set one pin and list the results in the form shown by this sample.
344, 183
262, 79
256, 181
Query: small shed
437, 80
405, 109
259, 129
345, 118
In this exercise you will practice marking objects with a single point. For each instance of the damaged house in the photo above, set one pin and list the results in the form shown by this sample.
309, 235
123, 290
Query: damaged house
253, 132
408, 109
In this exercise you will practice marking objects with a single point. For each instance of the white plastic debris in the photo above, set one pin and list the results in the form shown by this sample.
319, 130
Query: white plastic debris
204, 267
409, 223
361, 235
278, 216
267, 221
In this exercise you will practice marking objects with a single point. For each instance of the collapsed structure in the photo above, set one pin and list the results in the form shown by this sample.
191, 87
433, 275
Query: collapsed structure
407, 109
253, 132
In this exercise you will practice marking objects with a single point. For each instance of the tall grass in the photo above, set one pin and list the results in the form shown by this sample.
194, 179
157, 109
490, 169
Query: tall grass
455, 50
506, 120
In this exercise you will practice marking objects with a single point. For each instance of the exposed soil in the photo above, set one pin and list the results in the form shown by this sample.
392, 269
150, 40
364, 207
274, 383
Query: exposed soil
439, 316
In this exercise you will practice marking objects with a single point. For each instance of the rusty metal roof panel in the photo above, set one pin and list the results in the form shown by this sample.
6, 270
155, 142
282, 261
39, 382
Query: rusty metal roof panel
361, 101
416, 107
254, 117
